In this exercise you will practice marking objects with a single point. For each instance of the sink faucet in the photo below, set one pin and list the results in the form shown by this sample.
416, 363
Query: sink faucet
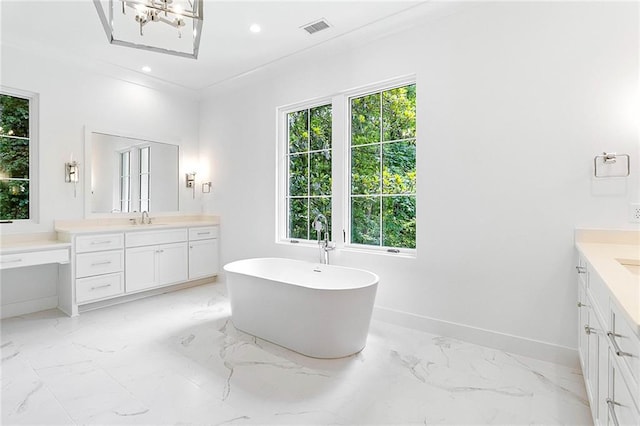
145, 213
324, 244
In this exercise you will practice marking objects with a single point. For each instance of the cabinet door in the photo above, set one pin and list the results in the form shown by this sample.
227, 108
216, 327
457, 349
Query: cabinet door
620, 404
595, 335
140, 268
203, 258
172, 263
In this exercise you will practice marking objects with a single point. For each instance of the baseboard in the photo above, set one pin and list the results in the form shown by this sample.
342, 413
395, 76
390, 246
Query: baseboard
28, 306
505, 342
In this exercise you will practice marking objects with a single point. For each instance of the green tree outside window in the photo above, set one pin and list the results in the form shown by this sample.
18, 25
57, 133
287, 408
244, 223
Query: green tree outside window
383, 168
309, 169
14, 157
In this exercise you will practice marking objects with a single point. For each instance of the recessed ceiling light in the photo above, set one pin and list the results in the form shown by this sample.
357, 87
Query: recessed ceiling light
255, 28
146, 68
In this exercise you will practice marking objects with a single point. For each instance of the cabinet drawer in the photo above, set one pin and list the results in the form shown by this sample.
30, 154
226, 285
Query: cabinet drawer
99, 263
34, 258
626, 344
148, 238
203, 233
87, 243
94, 288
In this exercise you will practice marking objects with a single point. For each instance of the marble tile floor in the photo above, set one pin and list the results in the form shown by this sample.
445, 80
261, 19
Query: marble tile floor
177, 359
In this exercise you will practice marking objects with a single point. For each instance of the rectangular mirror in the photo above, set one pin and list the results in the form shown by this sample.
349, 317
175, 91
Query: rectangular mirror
128, 175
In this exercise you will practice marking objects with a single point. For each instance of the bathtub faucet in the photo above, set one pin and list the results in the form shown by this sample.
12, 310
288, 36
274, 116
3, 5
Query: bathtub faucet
319, 224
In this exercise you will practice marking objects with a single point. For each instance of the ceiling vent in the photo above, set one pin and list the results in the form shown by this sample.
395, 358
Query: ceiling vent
316, 26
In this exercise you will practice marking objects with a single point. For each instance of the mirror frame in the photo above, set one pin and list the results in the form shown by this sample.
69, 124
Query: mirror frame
85, 171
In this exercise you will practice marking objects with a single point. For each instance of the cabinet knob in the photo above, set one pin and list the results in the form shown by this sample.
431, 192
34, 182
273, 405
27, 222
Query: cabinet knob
582, 305
589, 330
581, 269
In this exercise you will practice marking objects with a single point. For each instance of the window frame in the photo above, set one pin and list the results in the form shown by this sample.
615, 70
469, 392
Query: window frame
340, 168
34, 166
282, 168
346, 195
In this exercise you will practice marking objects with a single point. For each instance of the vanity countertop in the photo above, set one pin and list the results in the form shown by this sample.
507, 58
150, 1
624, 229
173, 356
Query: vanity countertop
21, 243
123, 225
615, 257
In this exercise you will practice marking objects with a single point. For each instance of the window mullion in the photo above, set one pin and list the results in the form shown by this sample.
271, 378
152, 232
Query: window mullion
381, 171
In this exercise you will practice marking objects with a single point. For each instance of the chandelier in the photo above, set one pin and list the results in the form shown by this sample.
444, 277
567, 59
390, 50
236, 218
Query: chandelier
165, 26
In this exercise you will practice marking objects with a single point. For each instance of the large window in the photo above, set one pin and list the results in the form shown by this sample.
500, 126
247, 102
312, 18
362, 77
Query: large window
17, 141
372, 184
383, 168
309, 169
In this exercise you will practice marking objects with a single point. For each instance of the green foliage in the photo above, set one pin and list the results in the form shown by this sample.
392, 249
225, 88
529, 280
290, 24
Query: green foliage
320, 173
365, 169
320, 127
14, 158
365, 119
14, 199
298, 131
309, 169
298, 218
398, 174
298, 175
14, 116
399, 113
399, 221
365, 220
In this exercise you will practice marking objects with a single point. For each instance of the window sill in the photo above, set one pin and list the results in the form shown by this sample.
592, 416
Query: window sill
405, 254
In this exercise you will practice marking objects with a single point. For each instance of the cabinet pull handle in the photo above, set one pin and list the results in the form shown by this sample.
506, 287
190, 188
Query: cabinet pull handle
582, 305
612, 412
100, 286
101, 263
159, 251
612, 338
203, 233
589, 330
581, 269
93, 243
11, 261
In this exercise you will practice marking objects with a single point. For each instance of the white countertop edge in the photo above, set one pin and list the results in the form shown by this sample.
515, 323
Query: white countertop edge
122, 225
33, 245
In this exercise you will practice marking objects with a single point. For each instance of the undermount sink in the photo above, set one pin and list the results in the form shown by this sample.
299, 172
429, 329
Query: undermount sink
632, 265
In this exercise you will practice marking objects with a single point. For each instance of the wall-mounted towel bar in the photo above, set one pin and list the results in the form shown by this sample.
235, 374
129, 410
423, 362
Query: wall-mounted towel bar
610, 164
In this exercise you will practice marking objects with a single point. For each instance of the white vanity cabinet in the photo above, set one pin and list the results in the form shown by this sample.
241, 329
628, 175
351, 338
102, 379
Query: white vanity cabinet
155, 258
609, 351
114, 262
203, 252
99, 264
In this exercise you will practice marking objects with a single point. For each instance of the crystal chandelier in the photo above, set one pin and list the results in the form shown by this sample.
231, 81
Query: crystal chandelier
177, 33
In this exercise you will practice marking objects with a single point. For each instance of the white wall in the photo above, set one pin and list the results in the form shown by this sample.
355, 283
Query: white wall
72, 97
514, 101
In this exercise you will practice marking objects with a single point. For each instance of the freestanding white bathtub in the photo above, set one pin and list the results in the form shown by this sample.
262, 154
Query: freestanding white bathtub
322, 311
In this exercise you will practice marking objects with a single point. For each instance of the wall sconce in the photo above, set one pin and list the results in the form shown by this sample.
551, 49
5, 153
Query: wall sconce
206, 187
190, 179
71, 174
